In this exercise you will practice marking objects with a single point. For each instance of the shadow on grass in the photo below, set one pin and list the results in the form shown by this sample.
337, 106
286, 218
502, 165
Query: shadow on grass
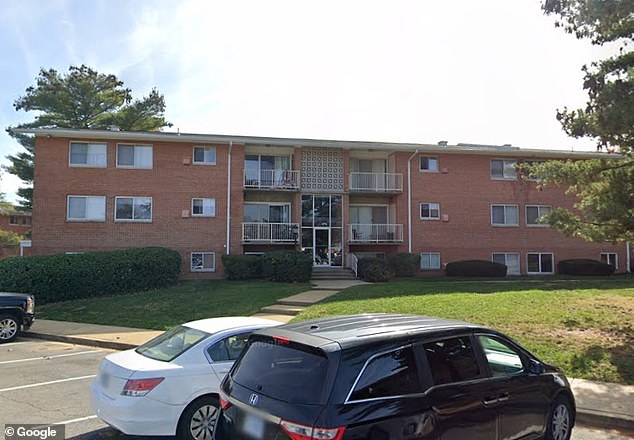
621, 356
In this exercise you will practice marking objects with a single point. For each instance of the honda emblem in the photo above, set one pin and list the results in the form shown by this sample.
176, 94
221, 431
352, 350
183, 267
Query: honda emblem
253, 399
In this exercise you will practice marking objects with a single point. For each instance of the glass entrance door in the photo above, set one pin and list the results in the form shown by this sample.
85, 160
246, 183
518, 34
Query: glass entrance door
321, 247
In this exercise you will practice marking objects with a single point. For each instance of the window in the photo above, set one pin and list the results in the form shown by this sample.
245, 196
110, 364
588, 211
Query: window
19, 220
539, 263
203, 262
86, 209
610, 258
430, 211
388, 375
503, 359
267, 213
504, 215
88, 155
171, 344
534, 214
205, 155
503, 169
429, 164
430, 260
510, 259
204, 207
134, 156
228, 349
137, 209
452, 360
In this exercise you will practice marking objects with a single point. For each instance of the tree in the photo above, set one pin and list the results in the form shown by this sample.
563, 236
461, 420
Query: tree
604, 187
81, 98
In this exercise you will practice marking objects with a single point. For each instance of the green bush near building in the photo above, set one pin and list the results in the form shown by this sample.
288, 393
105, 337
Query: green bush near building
62, 277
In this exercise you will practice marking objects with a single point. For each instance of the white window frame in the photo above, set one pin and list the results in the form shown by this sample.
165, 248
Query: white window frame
135, 165
507, 164
202, 254
85, 220
133, 220
431, 209
607, 260
204, 214
506, 255
428, 169
204, 162
89, 144
552, 256
539, 214
429, 255
505, 206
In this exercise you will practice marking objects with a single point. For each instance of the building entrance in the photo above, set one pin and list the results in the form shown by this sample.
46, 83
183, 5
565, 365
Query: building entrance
322, 229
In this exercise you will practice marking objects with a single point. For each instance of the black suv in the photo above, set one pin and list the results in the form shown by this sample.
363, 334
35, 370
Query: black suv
17, 312
390, 377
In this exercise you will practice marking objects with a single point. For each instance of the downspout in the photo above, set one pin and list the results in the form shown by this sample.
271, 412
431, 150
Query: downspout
228, 244
409, 201
628, 256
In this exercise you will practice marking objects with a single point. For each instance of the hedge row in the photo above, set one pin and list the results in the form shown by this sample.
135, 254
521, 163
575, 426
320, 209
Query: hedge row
64, 277
584, 267
284, 266
476, 268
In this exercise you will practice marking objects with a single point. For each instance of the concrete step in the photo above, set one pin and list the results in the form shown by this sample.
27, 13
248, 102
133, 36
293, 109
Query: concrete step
281, 309
333, 275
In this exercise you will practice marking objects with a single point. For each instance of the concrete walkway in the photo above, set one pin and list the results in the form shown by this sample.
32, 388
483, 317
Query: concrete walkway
599, 404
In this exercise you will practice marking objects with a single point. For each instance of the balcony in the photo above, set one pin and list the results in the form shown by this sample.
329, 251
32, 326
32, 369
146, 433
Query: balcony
390, 183
375, 233
281, 233
271, 180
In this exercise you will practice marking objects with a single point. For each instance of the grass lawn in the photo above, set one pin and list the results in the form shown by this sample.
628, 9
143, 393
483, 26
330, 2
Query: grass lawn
164, 308
585, 326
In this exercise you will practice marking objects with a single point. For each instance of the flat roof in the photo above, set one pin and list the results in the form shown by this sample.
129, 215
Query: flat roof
441, 147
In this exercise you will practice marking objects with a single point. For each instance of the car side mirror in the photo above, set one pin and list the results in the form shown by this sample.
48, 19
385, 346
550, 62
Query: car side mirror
536, 367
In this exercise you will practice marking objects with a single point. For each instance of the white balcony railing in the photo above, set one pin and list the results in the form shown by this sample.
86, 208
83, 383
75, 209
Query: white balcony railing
375, 233
270, 232
376, 182
271, 179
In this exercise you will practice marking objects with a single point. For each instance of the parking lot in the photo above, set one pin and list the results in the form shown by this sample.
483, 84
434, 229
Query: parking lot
45, 382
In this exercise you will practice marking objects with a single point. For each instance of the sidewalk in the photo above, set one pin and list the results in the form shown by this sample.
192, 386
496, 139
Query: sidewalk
599, 404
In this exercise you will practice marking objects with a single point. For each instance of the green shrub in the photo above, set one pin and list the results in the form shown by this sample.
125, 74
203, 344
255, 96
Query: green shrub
476, 268
584, 267
242, 267
374, 270
61, 277
403, 264
287, 266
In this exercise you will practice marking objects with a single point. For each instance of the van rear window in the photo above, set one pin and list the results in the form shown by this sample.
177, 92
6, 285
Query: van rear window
289, 372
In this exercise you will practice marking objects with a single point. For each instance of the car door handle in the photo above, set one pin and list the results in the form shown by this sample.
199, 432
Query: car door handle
503, 397
490, 402
499, 399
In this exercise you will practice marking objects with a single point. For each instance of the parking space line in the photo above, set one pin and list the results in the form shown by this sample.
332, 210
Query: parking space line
81, 419
55, 356
70, 379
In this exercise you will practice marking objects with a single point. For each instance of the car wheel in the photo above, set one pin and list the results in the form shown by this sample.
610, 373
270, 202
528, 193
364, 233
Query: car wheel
8, 328
198, 420
559, 421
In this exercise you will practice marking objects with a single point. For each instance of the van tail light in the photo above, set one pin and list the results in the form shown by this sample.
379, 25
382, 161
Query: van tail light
140, 387
302, 432
223, 399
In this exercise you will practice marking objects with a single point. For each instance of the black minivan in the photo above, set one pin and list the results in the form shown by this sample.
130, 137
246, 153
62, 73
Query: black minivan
390, 377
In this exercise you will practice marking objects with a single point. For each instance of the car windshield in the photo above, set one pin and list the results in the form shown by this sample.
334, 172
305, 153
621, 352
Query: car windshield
172, 343
289, 372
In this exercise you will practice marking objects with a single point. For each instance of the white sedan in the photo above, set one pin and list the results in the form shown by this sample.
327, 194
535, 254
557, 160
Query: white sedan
169, 385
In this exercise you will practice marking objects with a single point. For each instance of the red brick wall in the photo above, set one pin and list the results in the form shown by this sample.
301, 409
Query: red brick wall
5, 224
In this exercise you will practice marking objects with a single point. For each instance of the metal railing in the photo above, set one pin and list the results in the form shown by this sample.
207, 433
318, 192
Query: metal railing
376, 182
270, 232
353, 264
271, 179
375, 233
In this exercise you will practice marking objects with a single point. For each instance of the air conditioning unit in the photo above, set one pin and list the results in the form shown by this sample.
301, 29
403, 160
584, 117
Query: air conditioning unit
185, 213
187, 161
445, 217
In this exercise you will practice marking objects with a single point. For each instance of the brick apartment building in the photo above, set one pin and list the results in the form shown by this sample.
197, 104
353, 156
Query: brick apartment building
16, 221
207, 195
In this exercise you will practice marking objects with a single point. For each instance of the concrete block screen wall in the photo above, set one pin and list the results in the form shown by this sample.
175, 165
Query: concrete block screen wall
208, 195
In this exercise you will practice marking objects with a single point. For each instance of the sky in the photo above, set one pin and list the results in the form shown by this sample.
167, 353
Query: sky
487, 71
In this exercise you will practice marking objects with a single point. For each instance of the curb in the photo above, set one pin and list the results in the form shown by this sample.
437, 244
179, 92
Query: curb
81, 341
602, 419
